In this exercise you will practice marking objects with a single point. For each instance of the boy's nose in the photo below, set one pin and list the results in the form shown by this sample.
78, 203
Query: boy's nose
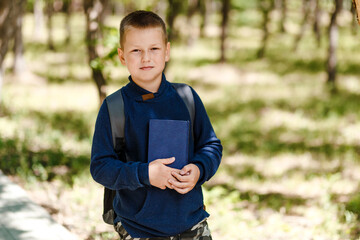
146, 56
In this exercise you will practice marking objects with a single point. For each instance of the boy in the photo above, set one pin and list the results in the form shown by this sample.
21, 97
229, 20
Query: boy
153, 200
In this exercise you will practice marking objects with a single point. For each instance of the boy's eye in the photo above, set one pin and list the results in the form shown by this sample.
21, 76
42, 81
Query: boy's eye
135, 50
155, 48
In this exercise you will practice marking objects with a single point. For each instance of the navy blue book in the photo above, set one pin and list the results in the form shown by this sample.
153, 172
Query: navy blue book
169, 138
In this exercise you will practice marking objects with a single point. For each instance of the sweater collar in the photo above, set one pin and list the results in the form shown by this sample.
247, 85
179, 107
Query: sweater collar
141, 94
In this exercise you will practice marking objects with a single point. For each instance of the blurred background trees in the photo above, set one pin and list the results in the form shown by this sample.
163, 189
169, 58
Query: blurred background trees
311, 13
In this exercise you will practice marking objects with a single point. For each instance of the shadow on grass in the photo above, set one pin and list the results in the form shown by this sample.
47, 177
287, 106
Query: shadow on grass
284, 61
64, 64
53, 77
349, 68
274, 201
47, 160
251, 140
67, 122
277, 61
341, 104
353, 206
242, 171
271, 200
247, 136
18, 157
248, 171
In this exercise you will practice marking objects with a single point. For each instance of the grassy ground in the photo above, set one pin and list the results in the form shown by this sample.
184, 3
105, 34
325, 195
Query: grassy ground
291, 148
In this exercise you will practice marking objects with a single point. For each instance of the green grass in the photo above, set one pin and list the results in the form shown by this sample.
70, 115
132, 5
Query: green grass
291, 147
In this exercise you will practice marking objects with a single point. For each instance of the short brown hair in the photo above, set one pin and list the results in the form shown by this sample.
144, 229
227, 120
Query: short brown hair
141, 19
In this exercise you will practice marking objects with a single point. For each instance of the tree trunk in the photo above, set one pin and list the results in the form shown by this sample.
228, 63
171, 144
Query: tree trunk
7, 19
305, 13
333, 40
356, 7
204, 17
224, 25
316, 26
19, 61
49, 14
283, 15
104, 12
265, 7
38, 19
67, 8
9, 10
173, 11
93, 10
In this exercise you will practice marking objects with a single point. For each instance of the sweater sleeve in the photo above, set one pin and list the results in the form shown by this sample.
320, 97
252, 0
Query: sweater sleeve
105, 168
208, 148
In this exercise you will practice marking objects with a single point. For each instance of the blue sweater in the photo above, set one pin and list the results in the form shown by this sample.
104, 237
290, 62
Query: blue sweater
144, 210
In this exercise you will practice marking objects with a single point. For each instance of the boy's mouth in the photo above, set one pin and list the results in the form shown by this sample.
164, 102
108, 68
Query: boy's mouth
146, 68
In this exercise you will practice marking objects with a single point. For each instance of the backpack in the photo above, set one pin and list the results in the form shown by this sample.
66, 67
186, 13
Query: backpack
115, 106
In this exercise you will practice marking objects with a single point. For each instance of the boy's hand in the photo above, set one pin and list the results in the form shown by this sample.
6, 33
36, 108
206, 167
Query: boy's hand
186, 178
160, 174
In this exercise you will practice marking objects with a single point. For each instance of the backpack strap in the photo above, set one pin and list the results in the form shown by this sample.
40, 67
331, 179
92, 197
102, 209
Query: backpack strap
115, 104
186, 95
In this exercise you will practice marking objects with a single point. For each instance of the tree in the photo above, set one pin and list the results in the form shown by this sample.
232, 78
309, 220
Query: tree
173, 11
204, 16
333, 41
49, 14
9, 11
38, 18
19, 61
305, 12
224, 25
67, 9
316, 26
192, 8
93, 11
353, 23
356, 4
265, 7
283, 16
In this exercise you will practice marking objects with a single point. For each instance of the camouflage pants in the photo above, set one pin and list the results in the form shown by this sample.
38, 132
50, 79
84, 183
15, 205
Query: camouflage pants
200, 231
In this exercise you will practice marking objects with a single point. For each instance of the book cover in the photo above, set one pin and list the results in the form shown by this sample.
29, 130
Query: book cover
169, 138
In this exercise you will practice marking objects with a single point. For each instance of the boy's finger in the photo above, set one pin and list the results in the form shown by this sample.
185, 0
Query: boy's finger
169, 185
178, 176
185, 170
167, 161
177, 184
170, 181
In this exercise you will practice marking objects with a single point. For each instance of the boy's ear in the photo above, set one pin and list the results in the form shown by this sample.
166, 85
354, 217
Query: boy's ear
167, 53
121, 56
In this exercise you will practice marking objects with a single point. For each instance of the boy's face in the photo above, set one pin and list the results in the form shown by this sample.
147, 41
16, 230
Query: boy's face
144, 53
